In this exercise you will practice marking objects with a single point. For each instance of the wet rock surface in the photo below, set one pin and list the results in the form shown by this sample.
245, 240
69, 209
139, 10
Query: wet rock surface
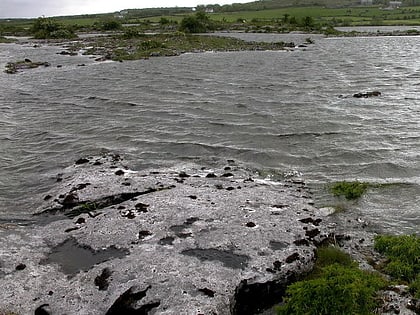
167, 241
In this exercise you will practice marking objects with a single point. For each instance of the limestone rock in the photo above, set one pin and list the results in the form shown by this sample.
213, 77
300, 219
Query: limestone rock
166, 241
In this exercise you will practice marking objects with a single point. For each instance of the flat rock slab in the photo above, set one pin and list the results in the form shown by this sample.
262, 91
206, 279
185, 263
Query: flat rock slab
182, 240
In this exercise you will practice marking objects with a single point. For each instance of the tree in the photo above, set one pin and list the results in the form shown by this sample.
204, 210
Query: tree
197, 23
44, 28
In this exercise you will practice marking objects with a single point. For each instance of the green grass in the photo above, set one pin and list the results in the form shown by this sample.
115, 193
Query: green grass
336, 286
403, 254
351, 16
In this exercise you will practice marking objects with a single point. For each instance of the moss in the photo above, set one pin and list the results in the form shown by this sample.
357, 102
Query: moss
336, 286
403, 254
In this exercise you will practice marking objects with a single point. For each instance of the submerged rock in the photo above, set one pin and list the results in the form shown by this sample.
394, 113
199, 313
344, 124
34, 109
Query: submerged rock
171, 242
367, 94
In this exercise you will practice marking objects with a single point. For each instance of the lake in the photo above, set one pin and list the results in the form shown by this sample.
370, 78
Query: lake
275, 112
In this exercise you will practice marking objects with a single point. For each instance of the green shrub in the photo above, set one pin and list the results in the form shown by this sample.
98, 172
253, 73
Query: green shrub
330, 255
44, 28
350, 190
340, 290
197, 23
415, 287
403, 253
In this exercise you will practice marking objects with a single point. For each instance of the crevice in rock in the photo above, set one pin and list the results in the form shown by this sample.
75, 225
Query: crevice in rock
252, 298
126, 303
80, 207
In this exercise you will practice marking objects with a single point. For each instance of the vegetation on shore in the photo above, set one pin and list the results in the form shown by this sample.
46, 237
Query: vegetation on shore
336, 286
403, 259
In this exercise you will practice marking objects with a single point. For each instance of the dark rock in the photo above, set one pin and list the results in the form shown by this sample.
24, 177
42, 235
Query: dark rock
292, 258
414, 305
301, 242
81, 161
251, 224
144, 234
183, 175
367, 94
119, 173
141, 207
127, 302
20, 267
71, 229
70, 200
44, 309
211, 175
312, 233
169, 240
311, 220
101, 281
227, 175
207, 292
80, 221
253, 297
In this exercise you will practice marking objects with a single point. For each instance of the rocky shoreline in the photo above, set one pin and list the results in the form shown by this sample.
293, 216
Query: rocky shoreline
185, 240
181, 240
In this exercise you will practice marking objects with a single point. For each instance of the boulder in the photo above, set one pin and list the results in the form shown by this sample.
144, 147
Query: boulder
159, 241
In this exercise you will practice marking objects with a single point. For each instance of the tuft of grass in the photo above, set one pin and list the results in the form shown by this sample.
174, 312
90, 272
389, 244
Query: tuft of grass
403, 253
350, 190
336, 286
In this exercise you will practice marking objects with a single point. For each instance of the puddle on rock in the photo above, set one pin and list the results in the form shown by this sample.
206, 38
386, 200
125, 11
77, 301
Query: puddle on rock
229, 259
73, 257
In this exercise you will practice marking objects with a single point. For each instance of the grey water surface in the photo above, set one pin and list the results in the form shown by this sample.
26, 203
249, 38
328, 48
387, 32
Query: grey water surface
275, 112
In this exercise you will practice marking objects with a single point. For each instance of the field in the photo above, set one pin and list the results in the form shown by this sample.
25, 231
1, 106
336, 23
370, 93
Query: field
348, 16
281, 19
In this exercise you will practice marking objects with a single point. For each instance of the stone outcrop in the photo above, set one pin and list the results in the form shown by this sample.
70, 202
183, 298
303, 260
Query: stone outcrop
14, 67
182, 240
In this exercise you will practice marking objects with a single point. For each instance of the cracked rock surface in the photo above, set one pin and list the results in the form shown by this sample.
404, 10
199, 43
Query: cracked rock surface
182, 240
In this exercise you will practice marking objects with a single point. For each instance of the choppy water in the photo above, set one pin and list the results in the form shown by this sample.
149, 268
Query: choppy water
273, 111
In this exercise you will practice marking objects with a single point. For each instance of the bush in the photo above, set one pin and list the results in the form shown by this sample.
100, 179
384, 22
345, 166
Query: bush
403, 253
350, 190
340, 290
44, 28
108, 24
197, 23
